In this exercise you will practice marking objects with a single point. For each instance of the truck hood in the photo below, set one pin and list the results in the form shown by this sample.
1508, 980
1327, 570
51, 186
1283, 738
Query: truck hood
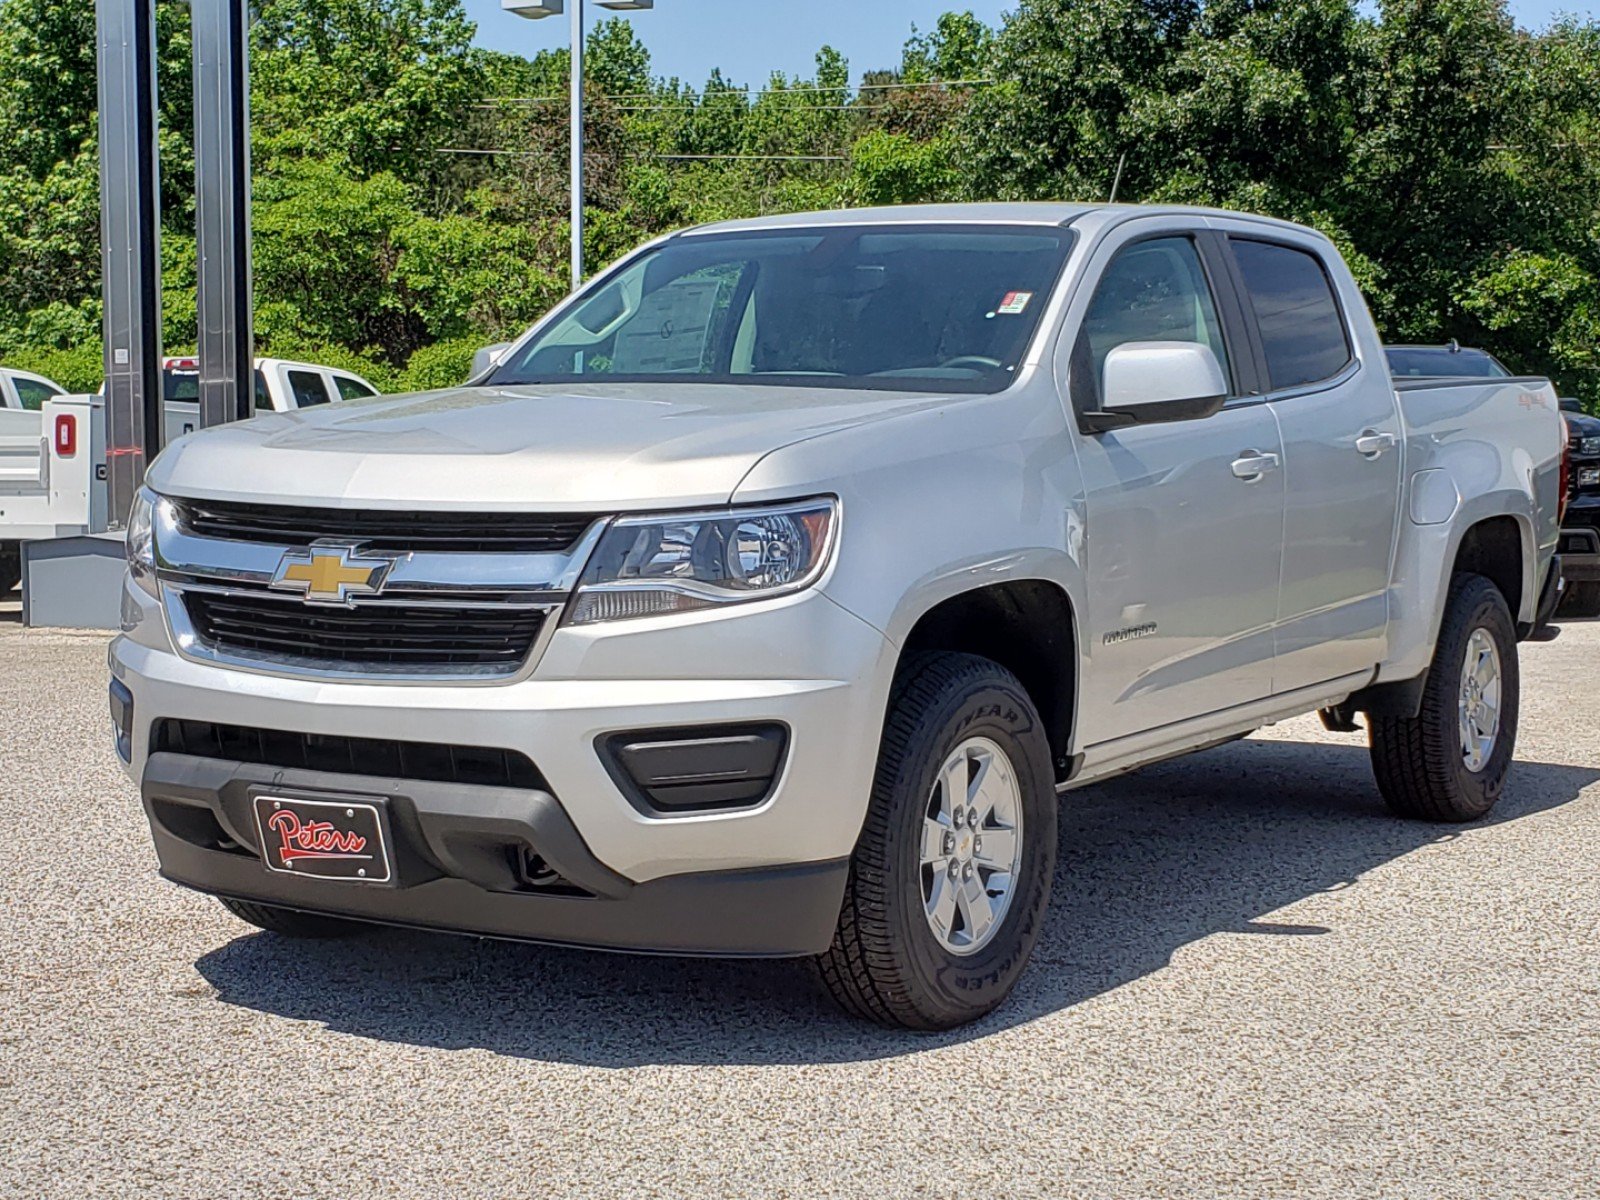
591, 448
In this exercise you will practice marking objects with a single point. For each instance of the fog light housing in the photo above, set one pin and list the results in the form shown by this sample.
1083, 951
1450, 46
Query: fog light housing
707, 768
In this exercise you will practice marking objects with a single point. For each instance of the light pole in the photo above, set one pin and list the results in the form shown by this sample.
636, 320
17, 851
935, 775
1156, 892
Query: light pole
535, 10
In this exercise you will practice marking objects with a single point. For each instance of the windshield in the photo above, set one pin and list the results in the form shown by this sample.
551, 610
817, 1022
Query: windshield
942, 308
1441, 361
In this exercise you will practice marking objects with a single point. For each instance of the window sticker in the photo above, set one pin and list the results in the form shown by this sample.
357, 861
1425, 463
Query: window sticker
1014, 303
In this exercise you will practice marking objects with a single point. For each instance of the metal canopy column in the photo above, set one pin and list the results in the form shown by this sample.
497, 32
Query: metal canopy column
130, 244
222, 207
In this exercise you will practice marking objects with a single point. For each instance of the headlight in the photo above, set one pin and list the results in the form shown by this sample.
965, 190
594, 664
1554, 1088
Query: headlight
1589, 445
646, 566
141, 540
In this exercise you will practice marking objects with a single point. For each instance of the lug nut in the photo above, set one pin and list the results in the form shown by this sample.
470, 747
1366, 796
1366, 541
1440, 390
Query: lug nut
955, 870
966, 872
977, 845
960, 818
972, 817
949, 843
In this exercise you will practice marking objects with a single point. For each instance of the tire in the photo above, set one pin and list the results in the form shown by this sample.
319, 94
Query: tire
1581, 600
10, 568
886, 963
1422, 768
289, 922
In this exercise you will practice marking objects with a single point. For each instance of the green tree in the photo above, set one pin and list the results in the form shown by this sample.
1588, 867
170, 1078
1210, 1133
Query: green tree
959, 47
376, 85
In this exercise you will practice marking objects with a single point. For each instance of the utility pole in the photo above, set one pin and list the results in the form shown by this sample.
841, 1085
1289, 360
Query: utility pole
535, 10
576, 153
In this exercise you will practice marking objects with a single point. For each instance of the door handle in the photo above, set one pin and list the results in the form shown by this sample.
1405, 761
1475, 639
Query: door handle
1251, 465
1371, 443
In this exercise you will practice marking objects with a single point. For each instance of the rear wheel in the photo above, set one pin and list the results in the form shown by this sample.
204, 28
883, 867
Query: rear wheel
951, 878
291, 923
1449, 762
1580, 600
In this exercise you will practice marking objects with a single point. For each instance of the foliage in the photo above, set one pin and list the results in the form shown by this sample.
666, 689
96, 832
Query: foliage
1453, 158
959, 47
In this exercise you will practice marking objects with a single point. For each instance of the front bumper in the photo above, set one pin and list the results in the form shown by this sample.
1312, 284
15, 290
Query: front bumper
759, 880
454, 872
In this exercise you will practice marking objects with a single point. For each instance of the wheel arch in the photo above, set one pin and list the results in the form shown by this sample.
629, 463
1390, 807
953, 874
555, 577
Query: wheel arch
1029, 626
1500, 548
1491, 534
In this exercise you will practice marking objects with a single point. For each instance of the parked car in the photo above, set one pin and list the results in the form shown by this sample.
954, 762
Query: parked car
1580, 528
280, 386
25, 390
762, 598
1452, 360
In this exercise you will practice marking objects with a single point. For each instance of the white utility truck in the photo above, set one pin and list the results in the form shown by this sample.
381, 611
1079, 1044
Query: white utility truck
765, 598
52, 481
280, 386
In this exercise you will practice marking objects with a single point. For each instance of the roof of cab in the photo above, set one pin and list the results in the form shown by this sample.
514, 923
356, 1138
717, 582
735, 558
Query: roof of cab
911, 214
987, 213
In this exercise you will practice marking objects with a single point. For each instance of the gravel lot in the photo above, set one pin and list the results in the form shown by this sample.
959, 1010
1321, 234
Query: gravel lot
1254, 984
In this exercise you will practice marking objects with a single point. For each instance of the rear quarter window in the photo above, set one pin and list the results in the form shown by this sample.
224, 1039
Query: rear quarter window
351, 388
1302, 329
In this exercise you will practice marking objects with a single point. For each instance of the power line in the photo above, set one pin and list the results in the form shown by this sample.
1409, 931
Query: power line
753, 157
469, 151
690, 96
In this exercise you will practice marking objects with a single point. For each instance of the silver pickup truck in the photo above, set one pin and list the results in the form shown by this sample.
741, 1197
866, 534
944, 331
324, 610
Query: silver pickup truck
766, 596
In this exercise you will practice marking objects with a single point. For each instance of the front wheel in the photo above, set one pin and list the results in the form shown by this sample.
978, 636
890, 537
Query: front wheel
951, 878
1449, 762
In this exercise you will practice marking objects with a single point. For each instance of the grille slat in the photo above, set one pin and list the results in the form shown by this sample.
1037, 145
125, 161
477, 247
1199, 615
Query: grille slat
388, 634
379, 757
472, 533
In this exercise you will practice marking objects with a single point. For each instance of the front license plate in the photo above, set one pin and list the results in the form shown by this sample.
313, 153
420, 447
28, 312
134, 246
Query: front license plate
1589, 476
325, 839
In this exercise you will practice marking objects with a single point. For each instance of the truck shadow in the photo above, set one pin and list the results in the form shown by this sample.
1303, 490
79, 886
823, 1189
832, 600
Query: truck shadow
1149, 863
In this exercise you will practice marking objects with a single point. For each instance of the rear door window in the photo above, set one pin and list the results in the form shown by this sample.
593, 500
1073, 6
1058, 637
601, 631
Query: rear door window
308, 388
1302, 330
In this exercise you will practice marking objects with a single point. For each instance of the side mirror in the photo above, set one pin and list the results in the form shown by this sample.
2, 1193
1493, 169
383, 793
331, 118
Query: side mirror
1144, 383
1570, 404
487, 357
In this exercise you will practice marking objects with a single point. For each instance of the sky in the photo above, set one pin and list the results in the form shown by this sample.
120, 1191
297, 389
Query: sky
749, 39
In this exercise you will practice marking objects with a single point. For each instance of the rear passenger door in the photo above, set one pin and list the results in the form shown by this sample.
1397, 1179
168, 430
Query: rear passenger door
1184, 519
1341, 441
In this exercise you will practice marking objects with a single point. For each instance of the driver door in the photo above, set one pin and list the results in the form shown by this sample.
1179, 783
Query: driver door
1184, 519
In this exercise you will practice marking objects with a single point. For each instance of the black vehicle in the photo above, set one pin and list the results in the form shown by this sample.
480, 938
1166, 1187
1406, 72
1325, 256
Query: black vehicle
1580, 530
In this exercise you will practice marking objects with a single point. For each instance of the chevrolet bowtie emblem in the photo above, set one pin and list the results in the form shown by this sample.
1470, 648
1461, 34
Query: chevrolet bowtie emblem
331, 574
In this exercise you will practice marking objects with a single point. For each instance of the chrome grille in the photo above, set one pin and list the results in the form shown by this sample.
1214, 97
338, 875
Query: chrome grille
379, 529
442, 610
